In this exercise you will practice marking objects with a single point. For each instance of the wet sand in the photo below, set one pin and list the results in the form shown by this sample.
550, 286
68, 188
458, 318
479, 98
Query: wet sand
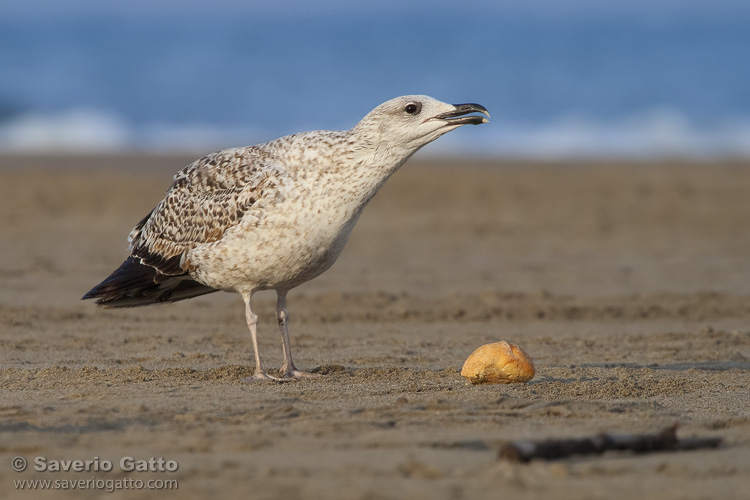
628, 284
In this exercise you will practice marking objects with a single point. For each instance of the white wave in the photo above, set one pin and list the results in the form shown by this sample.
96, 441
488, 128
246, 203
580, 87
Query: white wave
73, 130
196, 137
658, 133
89, 130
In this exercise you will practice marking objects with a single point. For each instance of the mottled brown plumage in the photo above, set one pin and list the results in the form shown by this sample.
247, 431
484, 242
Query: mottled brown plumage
204, 201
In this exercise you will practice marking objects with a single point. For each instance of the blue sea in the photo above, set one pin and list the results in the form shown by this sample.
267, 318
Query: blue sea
561, 79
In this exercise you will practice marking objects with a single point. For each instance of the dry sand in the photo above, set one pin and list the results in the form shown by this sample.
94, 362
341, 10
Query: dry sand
628, 284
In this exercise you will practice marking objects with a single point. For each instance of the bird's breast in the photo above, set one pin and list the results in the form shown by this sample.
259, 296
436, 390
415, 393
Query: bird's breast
285, 244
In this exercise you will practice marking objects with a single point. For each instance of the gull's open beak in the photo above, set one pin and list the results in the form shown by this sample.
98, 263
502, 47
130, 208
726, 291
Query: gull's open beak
459, 116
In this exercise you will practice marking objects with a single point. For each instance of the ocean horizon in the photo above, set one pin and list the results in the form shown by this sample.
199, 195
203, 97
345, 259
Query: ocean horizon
587, 82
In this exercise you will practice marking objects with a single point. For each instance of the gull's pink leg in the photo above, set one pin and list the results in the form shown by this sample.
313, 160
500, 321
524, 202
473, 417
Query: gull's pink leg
252, 322
288, 370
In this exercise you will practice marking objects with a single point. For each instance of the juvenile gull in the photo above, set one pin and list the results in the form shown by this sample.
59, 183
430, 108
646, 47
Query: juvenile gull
271, 216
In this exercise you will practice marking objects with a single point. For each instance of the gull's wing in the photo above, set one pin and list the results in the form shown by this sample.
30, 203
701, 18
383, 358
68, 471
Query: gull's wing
206, 199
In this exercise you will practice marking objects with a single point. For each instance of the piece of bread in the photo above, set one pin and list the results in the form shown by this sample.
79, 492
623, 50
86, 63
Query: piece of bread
498, 363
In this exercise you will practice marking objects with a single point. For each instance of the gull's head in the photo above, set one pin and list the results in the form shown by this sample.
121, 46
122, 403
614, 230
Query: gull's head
411, 121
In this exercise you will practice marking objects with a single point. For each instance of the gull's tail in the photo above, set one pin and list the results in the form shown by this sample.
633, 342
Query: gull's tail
135, 284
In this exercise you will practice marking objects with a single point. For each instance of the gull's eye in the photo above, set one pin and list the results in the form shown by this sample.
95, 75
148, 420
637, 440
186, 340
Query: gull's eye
413, 108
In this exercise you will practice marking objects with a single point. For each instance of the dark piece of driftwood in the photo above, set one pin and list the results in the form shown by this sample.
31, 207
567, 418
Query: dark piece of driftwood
666, 440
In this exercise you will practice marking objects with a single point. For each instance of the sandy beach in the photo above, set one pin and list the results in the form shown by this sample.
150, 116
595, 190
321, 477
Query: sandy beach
627, 283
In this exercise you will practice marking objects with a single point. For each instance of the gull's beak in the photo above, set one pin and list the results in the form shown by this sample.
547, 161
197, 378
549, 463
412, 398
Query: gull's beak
459, 116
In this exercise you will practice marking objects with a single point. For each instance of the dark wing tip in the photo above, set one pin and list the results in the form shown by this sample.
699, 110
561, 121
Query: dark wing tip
131, 277
137, 284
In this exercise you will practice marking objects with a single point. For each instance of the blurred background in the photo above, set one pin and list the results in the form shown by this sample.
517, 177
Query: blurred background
637, 79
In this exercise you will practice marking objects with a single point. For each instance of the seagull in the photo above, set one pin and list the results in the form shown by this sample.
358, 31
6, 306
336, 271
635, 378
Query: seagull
272, 216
